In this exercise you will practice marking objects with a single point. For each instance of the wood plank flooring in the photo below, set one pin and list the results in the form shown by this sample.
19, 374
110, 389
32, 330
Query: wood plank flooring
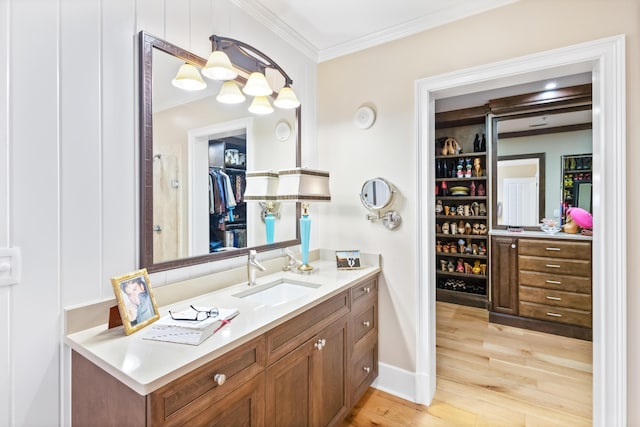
492, 375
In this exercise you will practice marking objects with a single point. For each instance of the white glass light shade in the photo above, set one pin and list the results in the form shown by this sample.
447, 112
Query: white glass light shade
230, 93
286, 99
218, 67
188, 78
257, 85
260, 105
261, 186
303, 185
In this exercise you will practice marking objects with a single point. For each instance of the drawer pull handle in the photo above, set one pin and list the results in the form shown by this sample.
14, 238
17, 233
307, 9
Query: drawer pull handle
552, 249
219, 379
366, 290
554, 282
552, 265
554, 298
320, 344
366, 324
366, 369
554, 314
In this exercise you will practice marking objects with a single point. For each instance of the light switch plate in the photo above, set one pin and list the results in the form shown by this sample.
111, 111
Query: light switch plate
10, 264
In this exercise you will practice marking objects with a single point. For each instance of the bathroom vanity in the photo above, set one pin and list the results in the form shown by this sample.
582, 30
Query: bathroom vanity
305, 362
542, 282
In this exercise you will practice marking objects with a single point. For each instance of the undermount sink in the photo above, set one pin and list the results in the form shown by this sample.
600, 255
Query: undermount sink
277, 293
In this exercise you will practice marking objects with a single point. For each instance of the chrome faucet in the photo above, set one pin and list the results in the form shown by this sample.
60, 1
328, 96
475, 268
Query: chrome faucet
252, 265
292, 263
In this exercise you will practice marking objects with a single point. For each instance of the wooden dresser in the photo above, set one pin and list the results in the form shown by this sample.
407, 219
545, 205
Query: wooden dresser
542, 284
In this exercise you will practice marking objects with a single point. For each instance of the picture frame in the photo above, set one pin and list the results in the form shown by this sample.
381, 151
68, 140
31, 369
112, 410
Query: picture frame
136, 302
348, 259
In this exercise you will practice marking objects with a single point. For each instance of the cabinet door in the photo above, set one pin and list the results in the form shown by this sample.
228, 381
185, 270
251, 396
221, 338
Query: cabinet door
288, 389
504, 275
308, 386
330, 403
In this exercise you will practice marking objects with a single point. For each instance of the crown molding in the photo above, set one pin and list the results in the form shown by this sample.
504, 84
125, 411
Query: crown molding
270, 20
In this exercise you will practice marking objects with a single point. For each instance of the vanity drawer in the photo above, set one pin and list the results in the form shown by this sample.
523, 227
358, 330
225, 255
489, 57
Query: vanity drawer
293, 333
364, 366
179, 400
556, 281
556, 314
363, 323
555, 248
365, 293
555, 265
555, 298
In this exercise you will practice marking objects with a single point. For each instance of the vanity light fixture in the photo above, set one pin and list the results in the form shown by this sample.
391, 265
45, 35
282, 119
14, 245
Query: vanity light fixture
257, 85
260, 105
262, 187
230, 93
188, 78
286, 99
304, 185
218, 67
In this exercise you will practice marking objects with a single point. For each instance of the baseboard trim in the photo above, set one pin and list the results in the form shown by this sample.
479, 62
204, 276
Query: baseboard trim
396, 381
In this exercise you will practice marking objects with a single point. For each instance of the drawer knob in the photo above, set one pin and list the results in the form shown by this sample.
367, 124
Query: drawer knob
366, 369
554, 314
219, 379
366, 290
554, 298
513, 246
552, 266
320, 344
554, 282
366, 324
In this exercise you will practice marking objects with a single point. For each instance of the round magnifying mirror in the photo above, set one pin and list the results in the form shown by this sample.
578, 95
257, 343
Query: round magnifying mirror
376, 194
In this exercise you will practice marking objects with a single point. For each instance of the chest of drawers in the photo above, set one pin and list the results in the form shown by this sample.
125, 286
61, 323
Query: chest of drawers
548, 285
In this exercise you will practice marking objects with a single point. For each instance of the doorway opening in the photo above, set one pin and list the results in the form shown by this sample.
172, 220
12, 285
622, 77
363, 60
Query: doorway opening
605, 60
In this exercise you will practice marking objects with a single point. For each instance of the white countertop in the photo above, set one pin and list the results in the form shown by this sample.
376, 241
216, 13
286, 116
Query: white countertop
540, 235
145, 365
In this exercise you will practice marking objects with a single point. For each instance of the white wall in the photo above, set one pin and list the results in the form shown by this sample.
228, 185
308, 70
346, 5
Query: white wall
69, 154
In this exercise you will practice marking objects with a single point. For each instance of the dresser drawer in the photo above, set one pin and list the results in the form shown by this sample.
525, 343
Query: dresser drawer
365, 293
555, 298
364, 365
364, 323
556, 314
555, 248
556, 281
555, 265
174, 403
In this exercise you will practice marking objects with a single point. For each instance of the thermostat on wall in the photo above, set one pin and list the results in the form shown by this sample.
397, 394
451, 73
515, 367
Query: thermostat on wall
365, 116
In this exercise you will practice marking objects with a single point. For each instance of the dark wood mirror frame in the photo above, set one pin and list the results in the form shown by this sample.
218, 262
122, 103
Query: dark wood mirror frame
147, 43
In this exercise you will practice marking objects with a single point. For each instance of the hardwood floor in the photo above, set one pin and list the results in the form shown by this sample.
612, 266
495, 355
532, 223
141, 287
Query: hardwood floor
493, 375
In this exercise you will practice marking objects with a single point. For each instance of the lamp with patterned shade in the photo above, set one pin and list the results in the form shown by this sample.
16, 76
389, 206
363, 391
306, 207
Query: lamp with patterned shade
304, 185
262, 187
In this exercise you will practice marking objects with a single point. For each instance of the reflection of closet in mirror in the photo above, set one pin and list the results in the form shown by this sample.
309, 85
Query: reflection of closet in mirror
520, 190
227, 210
523, 135
576, 182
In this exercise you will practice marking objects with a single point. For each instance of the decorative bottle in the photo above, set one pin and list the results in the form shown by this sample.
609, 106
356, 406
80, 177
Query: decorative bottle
483, 143
476, 143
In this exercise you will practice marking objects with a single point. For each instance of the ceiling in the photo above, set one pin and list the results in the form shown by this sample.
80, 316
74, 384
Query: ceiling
332, 28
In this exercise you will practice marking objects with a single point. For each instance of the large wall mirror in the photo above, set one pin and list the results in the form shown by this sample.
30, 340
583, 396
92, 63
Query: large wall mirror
528, 153
191, 144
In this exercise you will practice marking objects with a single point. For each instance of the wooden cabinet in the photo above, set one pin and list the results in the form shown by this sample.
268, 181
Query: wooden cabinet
504, 275
462, 249
308, 371
553, 292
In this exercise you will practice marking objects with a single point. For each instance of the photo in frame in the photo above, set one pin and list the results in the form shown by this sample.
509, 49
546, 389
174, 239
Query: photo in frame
136, 302
348, 260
